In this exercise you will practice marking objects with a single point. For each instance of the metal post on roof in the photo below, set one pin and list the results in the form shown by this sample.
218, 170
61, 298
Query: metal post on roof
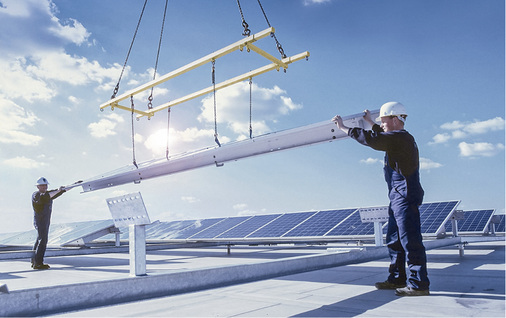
117, 241
378, 216
137, 250
457, 215
496, 219
129, 210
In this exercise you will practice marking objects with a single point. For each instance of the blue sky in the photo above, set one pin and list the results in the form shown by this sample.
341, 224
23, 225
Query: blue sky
60, 59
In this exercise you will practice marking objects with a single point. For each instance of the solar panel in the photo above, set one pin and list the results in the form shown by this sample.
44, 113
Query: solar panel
433, 216
154, 231
281, 225
319, 223
250, 225
64, 233
474, 221
219, 227
352, 226
196, 227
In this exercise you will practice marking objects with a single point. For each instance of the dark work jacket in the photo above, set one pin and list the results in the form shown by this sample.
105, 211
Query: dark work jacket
42, 206
402, 166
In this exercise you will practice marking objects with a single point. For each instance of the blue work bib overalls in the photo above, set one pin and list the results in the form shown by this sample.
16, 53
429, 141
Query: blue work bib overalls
404, 237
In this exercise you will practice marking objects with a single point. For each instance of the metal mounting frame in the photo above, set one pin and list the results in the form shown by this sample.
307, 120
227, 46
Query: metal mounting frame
239, 45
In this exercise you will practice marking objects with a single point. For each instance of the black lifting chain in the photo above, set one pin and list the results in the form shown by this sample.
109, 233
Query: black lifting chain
278, 45
245, 25
116, 89
150, 98
214, 98
133, 132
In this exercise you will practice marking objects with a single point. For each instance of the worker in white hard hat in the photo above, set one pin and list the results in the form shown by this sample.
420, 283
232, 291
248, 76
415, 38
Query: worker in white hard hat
404, 238
42, 203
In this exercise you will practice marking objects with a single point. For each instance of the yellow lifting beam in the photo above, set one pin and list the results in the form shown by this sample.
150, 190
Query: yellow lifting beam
239, 45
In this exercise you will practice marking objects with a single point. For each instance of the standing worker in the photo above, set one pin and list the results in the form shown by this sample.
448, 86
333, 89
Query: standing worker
42, 202
404, 237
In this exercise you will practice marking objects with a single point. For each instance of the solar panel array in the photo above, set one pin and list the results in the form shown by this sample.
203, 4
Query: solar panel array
341, 223
59, 233
299, 225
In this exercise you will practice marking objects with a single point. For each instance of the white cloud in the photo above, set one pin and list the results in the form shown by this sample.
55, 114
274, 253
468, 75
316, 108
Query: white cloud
23, 162
461, 130
427, 164
232, 105
17, 18
453, 125
17, 8
458, 134
59, 66
481, 127
243, 209
16, 82
106, 126
369, 161
35, 59
73, 99
440, 138
311, 2
72, 31
190, 199
288, 105
479, 149
15, 120
240, 206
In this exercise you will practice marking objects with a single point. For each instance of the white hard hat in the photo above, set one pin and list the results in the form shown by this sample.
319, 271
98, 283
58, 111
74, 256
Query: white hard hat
42, 181
393, 109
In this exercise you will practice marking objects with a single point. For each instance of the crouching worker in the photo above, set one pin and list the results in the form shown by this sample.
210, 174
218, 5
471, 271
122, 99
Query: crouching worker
404, 238
42, 202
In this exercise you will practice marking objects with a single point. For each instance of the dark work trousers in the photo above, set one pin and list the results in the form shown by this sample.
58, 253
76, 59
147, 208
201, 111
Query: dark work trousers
41, 222
404, 241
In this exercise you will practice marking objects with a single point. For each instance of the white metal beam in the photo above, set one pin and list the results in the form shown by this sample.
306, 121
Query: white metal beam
311, 134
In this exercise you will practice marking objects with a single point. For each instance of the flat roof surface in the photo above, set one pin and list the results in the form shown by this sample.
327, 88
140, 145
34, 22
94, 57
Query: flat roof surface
472, 285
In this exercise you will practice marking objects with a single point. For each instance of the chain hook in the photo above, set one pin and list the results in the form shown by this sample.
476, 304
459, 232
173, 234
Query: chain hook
245, 25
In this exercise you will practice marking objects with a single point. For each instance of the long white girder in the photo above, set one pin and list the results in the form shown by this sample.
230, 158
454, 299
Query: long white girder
325, 131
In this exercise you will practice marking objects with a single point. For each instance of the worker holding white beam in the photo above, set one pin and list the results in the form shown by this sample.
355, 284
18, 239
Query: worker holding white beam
42, 203
404, 237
